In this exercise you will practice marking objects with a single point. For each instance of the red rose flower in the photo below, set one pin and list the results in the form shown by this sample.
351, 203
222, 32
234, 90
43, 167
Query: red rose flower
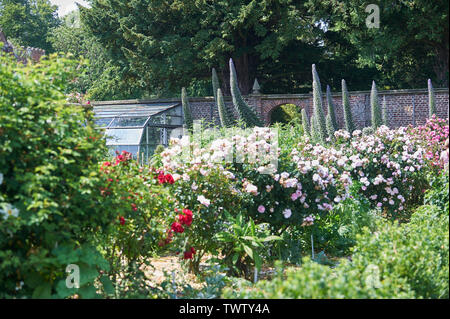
176, 227
161, 178
186, 217
188, 254
169, 179
122, 220
134, 207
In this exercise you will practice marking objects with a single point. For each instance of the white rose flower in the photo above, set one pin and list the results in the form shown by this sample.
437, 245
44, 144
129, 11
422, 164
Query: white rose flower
287, 213
203, 200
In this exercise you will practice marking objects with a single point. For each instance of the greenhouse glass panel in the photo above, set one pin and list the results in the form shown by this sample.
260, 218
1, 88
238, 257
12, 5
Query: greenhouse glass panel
157, 120
103, 121
129, 121
130, 136
114, 149
174, 120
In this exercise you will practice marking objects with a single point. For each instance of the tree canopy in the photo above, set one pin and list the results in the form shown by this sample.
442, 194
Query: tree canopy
144, 48
28, 22
410, 45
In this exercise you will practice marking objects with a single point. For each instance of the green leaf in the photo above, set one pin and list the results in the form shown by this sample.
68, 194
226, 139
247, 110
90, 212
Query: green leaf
235, 258
107, 285
249, 251
270, 238
88, 292
43, 291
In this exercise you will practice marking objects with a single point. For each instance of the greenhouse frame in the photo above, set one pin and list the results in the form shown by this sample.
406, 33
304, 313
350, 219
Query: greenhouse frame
138, 128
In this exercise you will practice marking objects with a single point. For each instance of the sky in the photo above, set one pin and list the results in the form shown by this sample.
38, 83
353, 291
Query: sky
65, 6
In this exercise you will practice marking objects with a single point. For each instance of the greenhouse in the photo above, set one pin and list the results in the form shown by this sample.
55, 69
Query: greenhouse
138, 127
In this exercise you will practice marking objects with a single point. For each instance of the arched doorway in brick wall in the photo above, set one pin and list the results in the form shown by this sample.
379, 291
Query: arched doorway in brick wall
268, 104
284, 113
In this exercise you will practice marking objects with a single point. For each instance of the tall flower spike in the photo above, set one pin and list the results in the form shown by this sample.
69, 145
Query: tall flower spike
375, 108
319, 115
431, 99
186, 110
349, 126
245, 112
331, 114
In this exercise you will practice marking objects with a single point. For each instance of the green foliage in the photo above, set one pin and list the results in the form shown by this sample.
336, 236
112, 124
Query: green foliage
243, 240
49, 155
246, 113
285, 114
102, 80
414, 254
410, 45
395, 261
190, 37
29, 23
348, 118
366, 131
208, 219
438, 194
376, 118
187, 110
142, 210
331, 121
337, 231
319, 116
431, 100
50, 189
226, 118
316, 281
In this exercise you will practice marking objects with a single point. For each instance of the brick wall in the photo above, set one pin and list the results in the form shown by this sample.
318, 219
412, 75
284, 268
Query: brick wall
404, 107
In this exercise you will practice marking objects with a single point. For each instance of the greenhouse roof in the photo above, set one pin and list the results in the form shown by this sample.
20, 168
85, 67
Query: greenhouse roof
130, 115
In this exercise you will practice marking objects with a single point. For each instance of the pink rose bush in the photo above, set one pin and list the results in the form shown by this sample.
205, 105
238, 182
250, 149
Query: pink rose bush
387, 168
432, 136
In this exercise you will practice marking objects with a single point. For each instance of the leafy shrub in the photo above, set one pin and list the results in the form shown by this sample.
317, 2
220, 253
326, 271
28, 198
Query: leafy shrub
336, 232
243, 244
139, 199
416, 253
50, 190
286, 113
431, 137
396, 261
315, 281
367, 130
438, 195
208, 195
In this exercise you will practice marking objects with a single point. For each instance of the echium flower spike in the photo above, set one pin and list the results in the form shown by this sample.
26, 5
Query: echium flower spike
348, 119
318, 107
245, 112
